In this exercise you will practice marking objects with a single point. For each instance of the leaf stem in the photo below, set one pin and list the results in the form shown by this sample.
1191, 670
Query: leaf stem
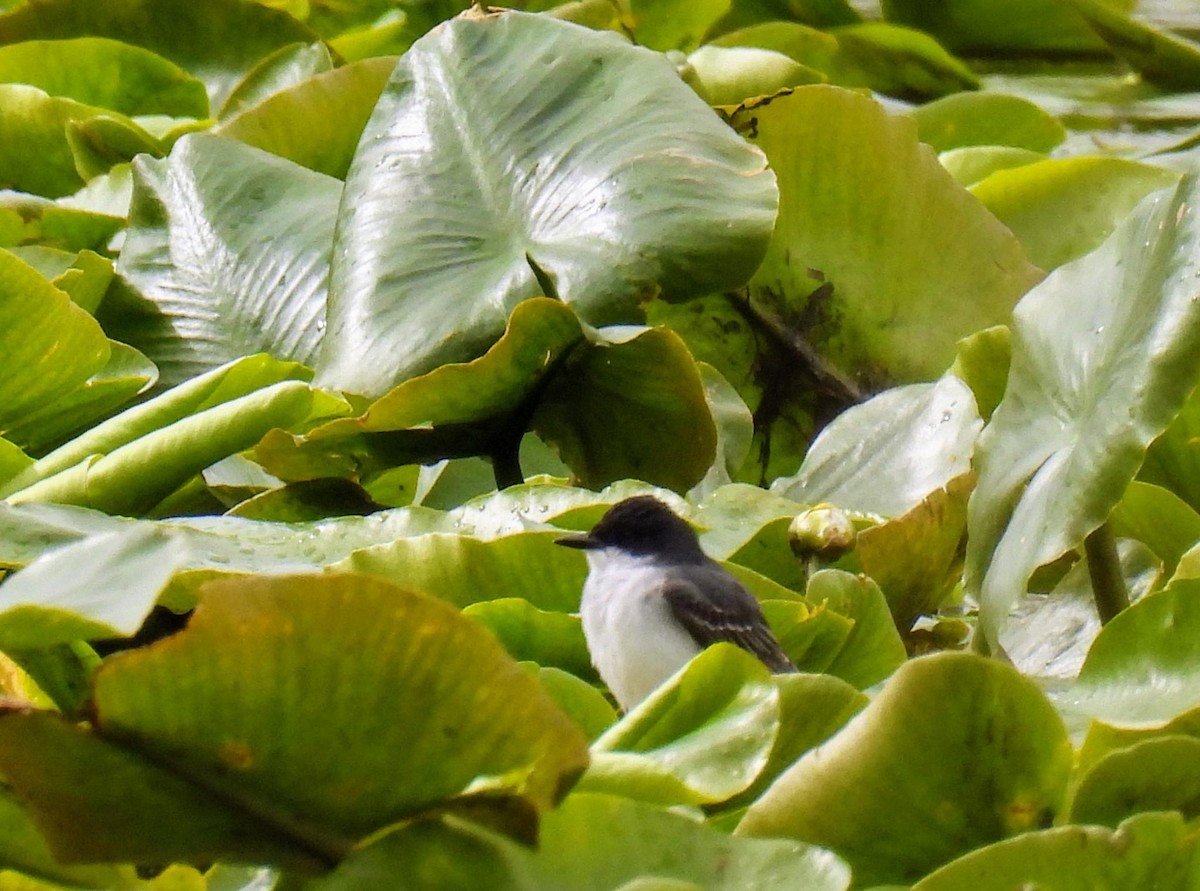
1104, 567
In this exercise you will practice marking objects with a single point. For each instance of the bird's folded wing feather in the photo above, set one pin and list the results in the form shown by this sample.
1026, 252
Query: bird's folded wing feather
737, 619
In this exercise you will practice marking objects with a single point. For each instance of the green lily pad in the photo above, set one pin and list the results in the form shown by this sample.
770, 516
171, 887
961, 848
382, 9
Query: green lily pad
198, 260
812, 708
631, 406
879, 56
818, 13
49, 345
36, 156
583, 703
897, 61
1160, 519
105, 73
1095, 194
987, 27
217, 43
203, 729
711, 727
593, 841
463, 569
1161, 774
973, 163
895, 319
916, 558
1104, 354
127, 374
1152, 850
486, 718
473, 178
529, 634
897, 794
317, 122
673, 24
873, 649
39, 221
982, 362
280, 70
22, 848
1142, 667
103, 586
995, 119
547, 374
1173, 460
919, 438
727, 75
1170, 61
1103, 739
103, 141
94, 801
12, 460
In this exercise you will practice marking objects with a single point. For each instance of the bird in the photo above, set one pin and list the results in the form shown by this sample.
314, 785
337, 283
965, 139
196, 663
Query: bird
653, 600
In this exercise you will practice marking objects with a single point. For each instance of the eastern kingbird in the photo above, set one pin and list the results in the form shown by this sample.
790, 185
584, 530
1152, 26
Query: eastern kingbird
653, 600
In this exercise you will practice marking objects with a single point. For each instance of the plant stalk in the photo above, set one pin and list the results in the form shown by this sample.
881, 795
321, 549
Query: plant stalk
1104, 568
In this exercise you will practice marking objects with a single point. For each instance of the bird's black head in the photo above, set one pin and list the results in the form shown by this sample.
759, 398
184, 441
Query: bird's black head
644, 526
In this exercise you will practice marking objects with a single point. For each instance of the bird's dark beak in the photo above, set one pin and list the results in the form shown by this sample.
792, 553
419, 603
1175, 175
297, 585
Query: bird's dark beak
579, 540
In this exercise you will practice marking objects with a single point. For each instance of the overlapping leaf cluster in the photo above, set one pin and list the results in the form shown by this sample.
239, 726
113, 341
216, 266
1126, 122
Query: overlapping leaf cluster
319, 322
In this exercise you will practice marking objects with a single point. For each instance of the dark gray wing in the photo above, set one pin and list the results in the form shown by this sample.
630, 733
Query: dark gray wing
732, 615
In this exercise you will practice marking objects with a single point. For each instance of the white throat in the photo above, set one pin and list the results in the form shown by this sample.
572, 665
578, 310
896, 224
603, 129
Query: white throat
634, 640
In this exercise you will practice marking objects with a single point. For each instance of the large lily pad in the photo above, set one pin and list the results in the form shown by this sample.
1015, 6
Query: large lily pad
512, 156
1160, 57
842, 160
212, 286
285, 738
1104, 354
631, 406
897, 794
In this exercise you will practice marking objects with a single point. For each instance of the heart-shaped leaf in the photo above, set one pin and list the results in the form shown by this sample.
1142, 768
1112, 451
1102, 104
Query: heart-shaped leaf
1104, 354
515, 155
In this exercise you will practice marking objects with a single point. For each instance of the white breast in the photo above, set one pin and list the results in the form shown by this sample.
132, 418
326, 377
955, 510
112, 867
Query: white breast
634, 640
